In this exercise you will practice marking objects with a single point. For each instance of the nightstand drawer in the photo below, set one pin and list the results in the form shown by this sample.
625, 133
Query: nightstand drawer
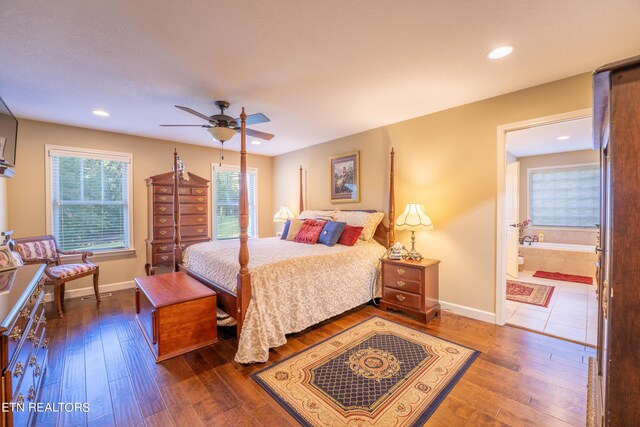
402, 283
402, 298
403, 272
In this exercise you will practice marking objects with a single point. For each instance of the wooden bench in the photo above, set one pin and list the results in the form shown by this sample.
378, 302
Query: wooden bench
176, 314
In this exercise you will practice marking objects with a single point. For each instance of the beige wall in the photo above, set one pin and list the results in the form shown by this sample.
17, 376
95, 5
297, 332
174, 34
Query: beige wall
448, 162
578, 236
26, 191
4, 223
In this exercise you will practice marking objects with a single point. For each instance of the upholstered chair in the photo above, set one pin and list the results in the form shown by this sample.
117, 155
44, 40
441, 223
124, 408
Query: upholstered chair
44, 249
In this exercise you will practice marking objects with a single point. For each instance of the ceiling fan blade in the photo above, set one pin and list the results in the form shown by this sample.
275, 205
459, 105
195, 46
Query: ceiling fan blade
194, 112
254, 119
257, 134
200, 126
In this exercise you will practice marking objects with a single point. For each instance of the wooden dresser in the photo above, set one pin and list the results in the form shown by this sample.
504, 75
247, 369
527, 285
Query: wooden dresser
194, 216
23, 341
615, 385
411, 286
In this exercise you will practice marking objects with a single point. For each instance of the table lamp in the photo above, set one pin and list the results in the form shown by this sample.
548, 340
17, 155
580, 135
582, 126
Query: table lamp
283, 215
414, 218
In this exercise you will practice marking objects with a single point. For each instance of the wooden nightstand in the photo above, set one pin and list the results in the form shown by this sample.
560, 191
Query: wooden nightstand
411, 286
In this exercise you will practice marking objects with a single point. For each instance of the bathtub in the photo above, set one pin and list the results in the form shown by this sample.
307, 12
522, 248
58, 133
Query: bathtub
569, 247
559, 257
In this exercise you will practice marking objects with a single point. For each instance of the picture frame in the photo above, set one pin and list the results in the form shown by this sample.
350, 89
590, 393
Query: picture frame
7, 261
345, 177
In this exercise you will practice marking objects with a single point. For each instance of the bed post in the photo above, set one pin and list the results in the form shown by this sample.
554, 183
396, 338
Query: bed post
301, 206
392, 202
177, 249
244, 278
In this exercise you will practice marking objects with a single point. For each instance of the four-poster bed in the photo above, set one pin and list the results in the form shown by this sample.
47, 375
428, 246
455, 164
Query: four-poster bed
284, 274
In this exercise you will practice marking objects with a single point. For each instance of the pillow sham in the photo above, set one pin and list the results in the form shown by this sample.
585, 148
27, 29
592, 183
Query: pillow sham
320, 215
285, 230
331, 233
294, 227
350, 235
310, 231
367, 220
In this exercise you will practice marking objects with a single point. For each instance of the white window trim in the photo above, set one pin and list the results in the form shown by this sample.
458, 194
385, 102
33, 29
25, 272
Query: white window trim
88, 153
215, 166
546, 227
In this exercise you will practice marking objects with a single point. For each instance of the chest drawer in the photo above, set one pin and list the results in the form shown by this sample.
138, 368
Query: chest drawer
163, 198
193, 220
163, 259
402, 298
163, 232
402, 283
193, 209
193, 199
163, 209
194, 231
403, 272
199, 191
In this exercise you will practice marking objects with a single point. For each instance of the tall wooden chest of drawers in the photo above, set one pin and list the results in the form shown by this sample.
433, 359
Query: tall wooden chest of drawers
411, 286
23, 342
194, 216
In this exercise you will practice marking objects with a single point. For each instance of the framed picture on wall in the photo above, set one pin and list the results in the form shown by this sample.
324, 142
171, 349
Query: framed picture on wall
345, 178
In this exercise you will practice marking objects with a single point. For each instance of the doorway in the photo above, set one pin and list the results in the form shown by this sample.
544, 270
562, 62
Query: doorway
547, 171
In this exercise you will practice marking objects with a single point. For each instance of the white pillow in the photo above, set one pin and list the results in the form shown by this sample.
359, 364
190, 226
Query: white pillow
324, 215
367, 220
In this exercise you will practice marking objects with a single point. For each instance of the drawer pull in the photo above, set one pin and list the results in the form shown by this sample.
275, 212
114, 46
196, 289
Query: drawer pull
199, 230
400, 270
36, 341
32, 361
401, 297
163, 232
165, 257
45, 343
162, 208
36, 373
20, 399
400, 283
15, 333
200, 219
163, 189
43, 319
163, 220
32, 394
199, 191
32, 334
199, 199
199, 208
19, 370
162, 198
25, 313
163, 248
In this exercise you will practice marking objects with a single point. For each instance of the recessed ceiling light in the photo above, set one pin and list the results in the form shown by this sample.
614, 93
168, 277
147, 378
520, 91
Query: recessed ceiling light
562, 138
500, 52
100, 113
256, 142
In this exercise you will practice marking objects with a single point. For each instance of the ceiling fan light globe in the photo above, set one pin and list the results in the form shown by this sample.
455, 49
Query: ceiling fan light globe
222, 134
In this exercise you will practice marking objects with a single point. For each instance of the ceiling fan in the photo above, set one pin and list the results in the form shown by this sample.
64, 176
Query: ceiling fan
223, 127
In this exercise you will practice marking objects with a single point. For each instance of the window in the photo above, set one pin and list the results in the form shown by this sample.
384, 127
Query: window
226, 202
565, 196
88, 198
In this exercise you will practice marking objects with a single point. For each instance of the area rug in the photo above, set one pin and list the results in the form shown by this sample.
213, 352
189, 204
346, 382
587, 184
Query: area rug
529, 293
377, 372
564, 277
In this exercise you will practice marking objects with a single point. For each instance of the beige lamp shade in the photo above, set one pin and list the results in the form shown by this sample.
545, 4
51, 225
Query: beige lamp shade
413, 217
221, 134
283, 215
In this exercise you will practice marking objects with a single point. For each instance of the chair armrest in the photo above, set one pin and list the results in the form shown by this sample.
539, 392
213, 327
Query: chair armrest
85, 254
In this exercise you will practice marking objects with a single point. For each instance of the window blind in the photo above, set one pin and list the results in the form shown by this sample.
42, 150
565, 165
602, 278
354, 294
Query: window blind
226, 197
90, 200
565, 197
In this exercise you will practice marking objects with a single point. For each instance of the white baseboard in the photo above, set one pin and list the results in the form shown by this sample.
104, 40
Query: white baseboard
82, 292
465, 311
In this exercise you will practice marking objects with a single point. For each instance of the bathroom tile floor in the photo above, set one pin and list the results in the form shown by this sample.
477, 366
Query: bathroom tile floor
572, 313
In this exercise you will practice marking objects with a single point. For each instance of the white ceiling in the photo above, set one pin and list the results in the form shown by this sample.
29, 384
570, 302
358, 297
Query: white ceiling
319, 70
544, 139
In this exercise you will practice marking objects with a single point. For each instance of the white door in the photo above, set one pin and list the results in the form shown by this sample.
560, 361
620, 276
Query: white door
511, 217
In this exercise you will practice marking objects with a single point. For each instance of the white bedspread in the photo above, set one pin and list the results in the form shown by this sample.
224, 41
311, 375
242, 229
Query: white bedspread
293, 285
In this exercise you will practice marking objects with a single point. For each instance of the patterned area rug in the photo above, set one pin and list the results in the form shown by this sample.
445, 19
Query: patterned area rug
376, 373
564, 277
529, 293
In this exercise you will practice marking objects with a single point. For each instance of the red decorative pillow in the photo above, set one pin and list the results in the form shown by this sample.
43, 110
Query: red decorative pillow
310, 231
350, 235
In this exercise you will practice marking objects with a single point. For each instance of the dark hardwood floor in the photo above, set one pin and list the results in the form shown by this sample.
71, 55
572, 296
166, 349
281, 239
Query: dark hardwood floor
99, 356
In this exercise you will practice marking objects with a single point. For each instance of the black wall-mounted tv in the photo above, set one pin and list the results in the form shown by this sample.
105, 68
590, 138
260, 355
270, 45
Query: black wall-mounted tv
8, 136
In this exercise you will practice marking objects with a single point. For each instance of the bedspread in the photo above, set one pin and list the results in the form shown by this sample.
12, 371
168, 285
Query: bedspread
293, 285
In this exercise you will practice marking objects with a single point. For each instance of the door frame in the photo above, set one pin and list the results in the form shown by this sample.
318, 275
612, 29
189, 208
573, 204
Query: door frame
501, 254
